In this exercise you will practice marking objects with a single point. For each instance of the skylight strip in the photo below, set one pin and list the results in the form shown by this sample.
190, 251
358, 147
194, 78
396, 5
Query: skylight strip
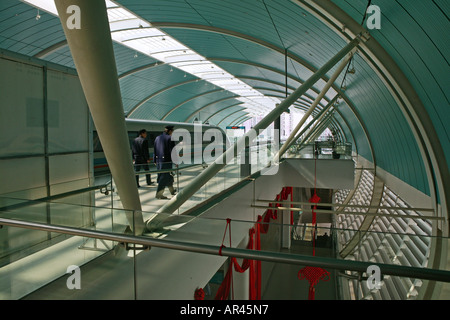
213, 76
110, 4
196, 68
130, 30
118, 13
46, 5
189, 63
171, 59
118, 26
135, 34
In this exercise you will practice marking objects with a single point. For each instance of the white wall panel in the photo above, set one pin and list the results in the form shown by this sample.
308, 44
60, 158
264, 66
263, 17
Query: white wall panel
21, 109
44, 151
68, 172
67, 113
23, 177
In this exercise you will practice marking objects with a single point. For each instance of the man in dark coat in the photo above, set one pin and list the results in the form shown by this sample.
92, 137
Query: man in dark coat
141, 156
163, 160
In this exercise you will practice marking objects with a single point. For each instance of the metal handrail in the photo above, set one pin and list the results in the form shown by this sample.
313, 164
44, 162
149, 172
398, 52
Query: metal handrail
28, 202
314, 261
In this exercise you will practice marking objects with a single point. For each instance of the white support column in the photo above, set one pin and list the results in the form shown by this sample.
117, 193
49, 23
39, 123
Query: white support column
86, 26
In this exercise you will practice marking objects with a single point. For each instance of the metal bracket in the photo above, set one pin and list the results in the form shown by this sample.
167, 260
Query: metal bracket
130, 246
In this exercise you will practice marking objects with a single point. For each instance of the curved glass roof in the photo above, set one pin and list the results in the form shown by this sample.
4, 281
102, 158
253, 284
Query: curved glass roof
227, 60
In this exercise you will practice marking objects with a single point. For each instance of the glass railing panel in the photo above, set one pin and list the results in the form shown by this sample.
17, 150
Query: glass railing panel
224, 178
60, 214
53, 190
290, 282
403, 249
31, 259
50, 212
201, 195
83, 192
233, 172
275, 237
31, 270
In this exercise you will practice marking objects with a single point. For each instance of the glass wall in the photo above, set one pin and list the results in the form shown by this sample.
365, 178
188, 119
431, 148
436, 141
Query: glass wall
45, 151
181, 253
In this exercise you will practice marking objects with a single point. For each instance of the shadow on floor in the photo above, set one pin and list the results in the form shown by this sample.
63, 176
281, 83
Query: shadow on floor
284, 283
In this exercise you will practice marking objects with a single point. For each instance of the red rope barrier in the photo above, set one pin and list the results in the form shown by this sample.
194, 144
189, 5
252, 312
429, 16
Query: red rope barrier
199, 294
254, 243
224, 289
313, 274
262, 226
292, 205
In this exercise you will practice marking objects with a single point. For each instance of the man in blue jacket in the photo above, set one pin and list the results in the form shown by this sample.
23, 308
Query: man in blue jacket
163, 160
141, 156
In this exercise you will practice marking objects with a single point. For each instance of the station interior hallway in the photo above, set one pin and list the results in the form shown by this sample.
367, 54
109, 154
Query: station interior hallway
353, 95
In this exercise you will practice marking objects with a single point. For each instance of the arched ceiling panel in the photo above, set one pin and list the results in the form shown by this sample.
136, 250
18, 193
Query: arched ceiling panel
257, 32
244, 72
413, 33
231, 120
302, 33
224, 115
177, 96
135, 88
192, 106
240, 120
150, 111
61, 56
393, 140
128, 59
247, 14
25, 30
210, 109
358, 133
247, 54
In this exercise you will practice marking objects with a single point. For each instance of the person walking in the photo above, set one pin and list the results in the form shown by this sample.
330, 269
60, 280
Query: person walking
141, 156
163, 160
